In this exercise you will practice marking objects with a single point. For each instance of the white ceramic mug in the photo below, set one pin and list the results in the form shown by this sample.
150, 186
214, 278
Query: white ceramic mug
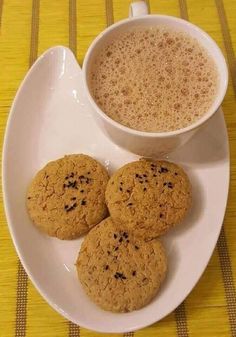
152, 144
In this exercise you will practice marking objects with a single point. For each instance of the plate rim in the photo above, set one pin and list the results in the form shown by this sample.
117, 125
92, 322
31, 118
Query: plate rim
18, 249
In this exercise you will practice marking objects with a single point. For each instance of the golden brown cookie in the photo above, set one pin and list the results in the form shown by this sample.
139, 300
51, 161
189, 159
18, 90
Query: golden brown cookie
119, 271
67, 197
150, 197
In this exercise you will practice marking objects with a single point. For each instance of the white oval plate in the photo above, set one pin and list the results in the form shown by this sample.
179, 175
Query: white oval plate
50, 117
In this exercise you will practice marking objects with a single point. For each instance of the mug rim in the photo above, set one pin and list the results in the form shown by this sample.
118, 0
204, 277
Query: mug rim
204, 118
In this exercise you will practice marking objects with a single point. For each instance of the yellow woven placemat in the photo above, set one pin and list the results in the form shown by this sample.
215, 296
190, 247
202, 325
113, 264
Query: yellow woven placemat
27, 28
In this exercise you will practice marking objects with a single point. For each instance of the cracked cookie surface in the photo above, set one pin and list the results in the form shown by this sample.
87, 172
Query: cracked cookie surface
150, 197
67, 197
118, 271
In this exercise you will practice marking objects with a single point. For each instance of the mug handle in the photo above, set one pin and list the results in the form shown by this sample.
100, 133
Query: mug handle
138, 8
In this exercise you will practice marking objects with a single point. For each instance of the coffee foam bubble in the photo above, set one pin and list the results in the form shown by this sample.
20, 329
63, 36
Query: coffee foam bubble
154, 80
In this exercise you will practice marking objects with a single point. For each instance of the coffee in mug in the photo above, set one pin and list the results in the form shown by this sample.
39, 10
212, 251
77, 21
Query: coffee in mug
154, 79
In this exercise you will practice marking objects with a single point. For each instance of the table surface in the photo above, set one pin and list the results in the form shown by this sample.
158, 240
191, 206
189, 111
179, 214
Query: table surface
29, 27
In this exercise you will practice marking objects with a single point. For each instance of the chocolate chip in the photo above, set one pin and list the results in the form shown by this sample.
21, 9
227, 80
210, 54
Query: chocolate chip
81, 177
145, 189
127, 241
74, 198
66, 177
74, 184
134, 273
116, 248
137, 175
129, 204
170, 185
136, 247
29, 198
120, 275
161, 215
115, 236
121, 189
88, 172
121, 239
146, 181
176, 173
154, 175
70, 209
164, 184
106, 267
164, 170
66, 206
83, 202
121, 183
144, 175
72, 175
108, 252
128, 191
81, 191
64, 185
47, 176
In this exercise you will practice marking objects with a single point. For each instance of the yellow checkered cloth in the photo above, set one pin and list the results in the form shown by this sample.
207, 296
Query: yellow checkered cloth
29, 27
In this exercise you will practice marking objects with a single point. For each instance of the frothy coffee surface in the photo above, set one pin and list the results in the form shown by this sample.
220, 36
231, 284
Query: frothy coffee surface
155, 79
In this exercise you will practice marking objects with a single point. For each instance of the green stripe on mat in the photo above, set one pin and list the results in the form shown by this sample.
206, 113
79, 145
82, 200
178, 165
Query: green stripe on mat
72, 26
73, 329
109, 12
180, 313
34, 32
21, 301
227, 41
181, 321
22, 278
228, 280
183, 9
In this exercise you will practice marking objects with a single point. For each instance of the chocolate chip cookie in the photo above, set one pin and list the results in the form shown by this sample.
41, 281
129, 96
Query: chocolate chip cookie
119, 271
150, 197
67, 197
